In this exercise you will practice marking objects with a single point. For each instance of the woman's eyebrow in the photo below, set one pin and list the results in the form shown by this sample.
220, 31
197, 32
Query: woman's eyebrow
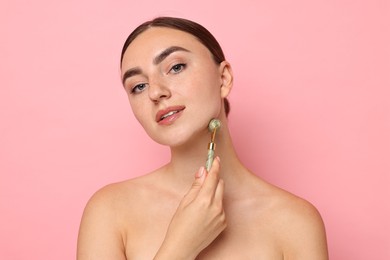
129, 73
159, 58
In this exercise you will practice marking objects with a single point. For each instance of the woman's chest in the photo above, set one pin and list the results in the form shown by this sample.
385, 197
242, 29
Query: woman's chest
238, 241
250, 233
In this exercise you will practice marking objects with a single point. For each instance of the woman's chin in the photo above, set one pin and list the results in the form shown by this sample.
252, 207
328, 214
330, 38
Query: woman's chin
175, 142
182, 139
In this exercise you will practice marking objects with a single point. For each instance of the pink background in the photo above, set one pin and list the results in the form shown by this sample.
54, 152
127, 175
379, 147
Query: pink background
310, 112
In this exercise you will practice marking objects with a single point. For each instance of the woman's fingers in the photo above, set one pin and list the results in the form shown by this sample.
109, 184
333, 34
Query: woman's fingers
200, 217
211, 182
219, 192
196, 185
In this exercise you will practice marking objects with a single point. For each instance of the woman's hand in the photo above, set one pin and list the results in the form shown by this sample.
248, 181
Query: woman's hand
199, 219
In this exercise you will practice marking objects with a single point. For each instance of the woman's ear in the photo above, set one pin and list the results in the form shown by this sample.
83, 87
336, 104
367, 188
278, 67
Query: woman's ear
226, 78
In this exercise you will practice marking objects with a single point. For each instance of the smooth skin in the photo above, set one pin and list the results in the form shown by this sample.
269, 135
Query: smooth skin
181, 211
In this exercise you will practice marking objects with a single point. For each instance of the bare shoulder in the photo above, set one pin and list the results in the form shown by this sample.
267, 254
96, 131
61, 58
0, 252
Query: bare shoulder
115, 195
110, 198
99, 227
300, 227
122, 199
102, 233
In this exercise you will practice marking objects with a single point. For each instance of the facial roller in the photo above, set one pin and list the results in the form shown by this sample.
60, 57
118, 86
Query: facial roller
214, 125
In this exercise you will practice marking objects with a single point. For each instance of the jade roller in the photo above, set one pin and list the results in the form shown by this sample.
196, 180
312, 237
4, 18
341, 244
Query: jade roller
214, 125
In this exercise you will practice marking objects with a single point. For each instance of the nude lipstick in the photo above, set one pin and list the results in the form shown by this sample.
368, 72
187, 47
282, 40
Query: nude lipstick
168, 115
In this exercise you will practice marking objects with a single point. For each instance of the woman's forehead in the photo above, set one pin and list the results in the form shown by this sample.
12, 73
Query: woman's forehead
161, 37
156, 39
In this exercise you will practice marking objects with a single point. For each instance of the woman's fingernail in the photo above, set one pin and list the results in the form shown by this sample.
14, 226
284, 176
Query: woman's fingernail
218, 159
200, 172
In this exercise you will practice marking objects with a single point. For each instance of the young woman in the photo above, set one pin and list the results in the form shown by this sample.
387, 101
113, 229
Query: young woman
177, 80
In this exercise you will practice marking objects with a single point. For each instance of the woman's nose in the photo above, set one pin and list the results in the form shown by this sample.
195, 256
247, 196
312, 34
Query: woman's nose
158, 91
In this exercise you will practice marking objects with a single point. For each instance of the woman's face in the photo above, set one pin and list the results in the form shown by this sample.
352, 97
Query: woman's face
173, 84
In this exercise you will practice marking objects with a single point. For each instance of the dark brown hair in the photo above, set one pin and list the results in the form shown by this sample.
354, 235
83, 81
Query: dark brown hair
193, 28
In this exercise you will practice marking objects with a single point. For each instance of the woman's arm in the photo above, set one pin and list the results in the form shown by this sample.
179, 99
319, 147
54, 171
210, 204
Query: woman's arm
305, 233
99, 237
199, 219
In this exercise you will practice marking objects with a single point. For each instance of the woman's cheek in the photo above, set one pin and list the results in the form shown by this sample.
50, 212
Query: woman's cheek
138, 111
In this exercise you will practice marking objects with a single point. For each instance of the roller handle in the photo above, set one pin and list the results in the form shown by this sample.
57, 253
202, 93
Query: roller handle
210, 157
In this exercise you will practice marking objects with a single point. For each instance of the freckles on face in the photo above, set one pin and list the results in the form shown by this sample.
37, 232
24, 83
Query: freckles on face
165, 67
148, 45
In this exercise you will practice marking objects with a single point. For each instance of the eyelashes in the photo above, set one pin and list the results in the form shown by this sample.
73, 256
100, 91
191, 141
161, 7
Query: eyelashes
175, 69
138, 88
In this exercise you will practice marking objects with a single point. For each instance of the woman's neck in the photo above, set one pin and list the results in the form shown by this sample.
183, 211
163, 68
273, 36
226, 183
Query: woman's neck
187, 159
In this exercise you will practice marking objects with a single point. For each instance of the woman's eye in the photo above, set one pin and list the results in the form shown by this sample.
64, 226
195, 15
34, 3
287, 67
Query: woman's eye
138, 88
177, 68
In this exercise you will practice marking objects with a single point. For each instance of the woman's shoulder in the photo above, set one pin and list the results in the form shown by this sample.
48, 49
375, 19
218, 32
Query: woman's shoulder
134, 190
286, 206
116, 203
265, 194
110, 212
290, 204
296, 221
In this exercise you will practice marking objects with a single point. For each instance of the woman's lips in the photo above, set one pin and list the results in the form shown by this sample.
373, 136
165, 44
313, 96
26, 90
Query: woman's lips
169, 115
